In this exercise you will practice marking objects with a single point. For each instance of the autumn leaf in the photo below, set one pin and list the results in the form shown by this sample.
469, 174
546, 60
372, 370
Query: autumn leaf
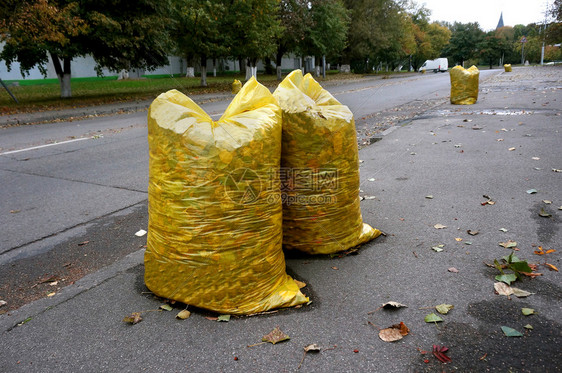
393, 305
503, 289
472, 233
183, 314
527, 311
432, 318
166, 307
509, 244
438, 248
439, 226
312, 348
439, 353
508, 279
531, 191
133, 318
275, 336
444, 308
552, 267
223, 318
520, 293
510, 332
544, 214
394, 333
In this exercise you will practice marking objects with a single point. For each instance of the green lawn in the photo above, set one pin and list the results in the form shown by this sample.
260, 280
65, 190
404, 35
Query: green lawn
37, 95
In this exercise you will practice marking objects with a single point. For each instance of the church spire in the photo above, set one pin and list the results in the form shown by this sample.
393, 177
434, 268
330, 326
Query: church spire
500, 22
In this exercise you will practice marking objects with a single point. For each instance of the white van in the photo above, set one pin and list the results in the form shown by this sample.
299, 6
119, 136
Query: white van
439, 64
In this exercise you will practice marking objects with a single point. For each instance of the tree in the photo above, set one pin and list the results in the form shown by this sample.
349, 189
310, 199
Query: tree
295, 22
490, 48
198, 31
117, 33
328, 32
464, 41
34, 31
253, 29
375, 32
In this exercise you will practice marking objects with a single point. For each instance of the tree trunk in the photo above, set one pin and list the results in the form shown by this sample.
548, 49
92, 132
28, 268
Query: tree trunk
278, 61
203, 71
189, 70
242, 64
251, 69
214, 67
63, 74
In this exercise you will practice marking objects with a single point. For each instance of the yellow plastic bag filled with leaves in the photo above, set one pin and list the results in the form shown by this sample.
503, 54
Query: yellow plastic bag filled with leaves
215, 215
319, 170
464, 85
236, 86
507, 67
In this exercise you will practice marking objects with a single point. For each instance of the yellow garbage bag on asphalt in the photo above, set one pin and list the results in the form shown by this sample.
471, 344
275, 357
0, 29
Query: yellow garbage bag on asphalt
215, 214
464, 85
319, 170
236, 86
507, 67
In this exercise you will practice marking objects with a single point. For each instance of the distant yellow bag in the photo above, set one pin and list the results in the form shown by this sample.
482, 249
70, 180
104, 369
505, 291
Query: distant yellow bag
214, 231
236, 86
319, 170
507, 67
464, 85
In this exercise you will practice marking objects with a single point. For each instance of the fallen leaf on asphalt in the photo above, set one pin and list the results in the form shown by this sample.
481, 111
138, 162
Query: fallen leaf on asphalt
133, 318
393, 305
369, 197
511, 149
453, 269
510, 332
458, 239
51, 294
429, 197
527, 311
535, 158
140, 233
439, 353
14, 211
444, 308
83, 243
531, 191
528, 326
371, 179
223, 318
467, 242
508, 279
520, 293
552, 267
547, 201
212, 318
472, 233
503, 230
503, 289
335, 268
3, 303
312, 348
166, 307
556, 170
432, 318
300, 284
394, 333
438, 248
509, 244
544, 214
183, 314
439, 226
275, 336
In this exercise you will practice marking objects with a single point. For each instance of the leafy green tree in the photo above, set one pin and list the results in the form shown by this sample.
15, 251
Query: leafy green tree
490, 48
252, 28
199, 31
35, 31
464, 41
118, 34
295, 20
328, 32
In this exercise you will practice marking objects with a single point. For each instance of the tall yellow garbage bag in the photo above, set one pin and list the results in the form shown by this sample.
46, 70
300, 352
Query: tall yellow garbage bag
464, 85
507, 67
319, 170
214, 232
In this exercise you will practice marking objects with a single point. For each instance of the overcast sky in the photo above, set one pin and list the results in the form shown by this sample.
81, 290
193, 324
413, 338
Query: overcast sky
487, 12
